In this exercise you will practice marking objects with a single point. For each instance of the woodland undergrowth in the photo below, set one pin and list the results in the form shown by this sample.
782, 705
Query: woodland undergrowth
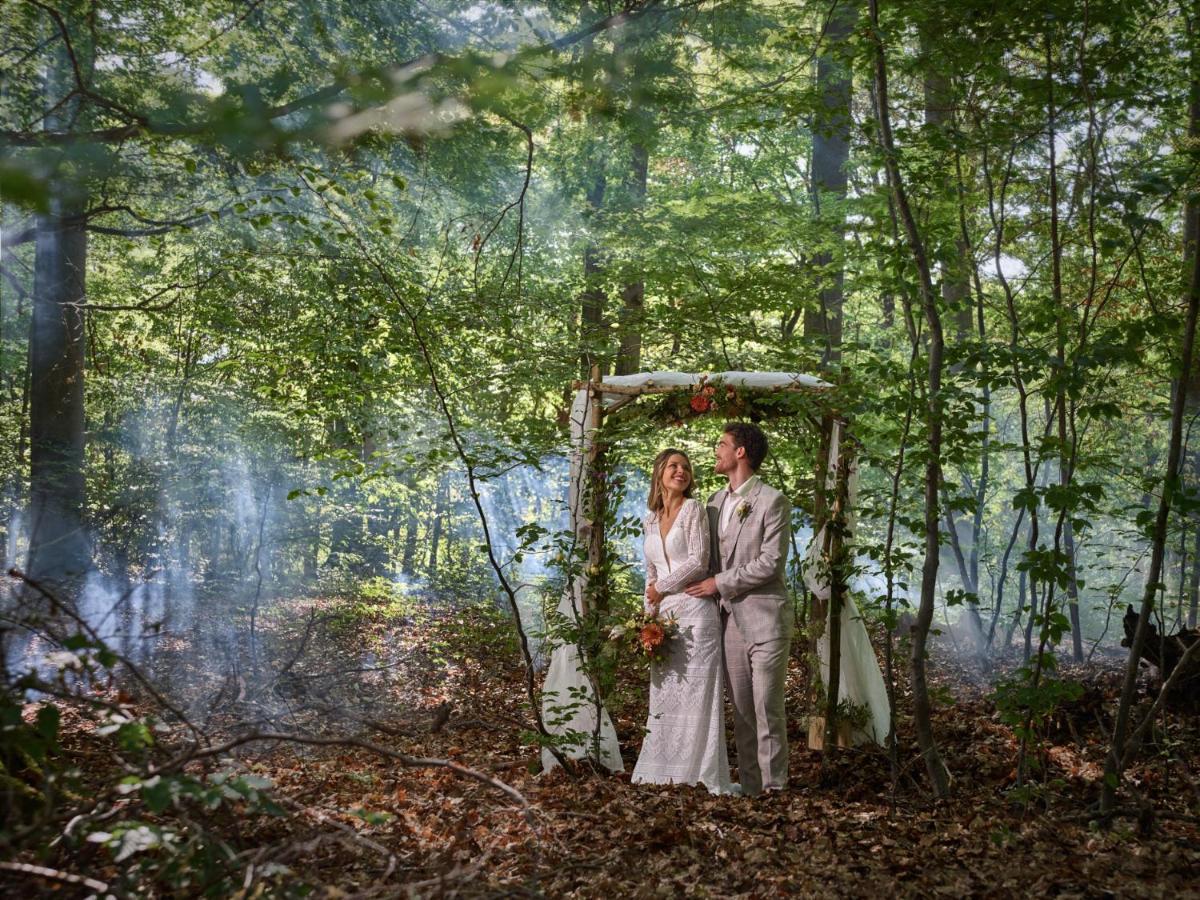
343, 820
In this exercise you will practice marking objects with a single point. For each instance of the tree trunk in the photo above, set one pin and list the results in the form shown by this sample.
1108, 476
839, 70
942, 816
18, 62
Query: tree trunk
1191, 237
59, 548
922, 706
1114, 764
410, 538
1066, 460
956, 296
592, 325
1073, 592
439, 517
58, 545
939, 117
1194, 581
633, 294
830, 153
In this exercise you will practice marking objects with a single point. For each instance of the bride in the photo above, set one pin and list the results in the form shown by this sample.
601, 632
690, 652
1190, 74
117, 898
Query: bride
685, 740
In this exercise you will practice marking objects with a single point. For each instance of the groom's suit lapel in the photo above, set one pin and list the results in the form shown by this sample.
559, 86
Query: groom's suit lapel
730, 538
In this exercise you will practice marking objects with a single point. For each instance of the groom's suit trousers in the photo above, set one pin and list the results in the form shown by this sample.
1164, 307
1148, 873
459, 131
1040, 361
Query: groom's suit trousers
756, 675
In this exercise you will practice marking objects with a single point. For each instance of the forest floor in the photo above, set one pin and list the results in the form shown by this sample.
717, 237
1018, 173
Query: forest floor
362, 825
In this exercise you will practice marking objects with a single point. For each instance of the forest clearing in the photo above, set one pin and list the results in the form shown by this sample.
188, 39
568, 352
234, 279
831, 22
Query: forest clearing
358, 821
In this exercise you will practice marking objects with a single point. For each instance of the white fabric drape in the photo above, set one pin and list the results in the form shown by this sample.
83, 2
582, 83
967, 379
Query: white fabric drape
860, 680
566, 684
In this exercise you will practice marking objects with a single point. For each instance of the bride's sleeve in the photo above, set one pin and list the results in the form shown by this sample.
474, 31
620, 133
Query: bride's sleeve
651, 572
695, 567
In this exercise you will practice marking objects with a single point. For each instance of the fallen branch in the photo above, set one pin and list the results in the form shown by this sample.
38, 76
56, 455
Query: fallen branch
54, 874
411, 762
57, 605
1135, 739
324, 819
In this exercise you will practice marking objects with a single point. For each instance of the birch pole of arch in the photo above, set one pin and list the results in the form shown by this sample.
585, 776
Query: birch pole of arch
595, 506
842, 451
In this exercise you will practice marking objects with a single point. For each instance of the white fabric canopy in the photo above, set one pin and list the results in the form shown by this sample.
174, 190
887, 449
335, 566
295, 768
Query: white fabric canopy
786, 381
565, 679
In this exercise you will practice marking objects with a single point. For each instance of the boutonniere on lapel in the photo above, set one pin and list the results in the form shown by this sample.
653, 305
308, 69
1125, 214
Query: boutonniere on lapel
743, 510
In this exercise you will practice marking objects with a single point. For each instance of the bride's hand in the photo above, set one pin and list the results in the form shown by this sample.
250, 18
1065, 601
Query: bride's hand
653, 594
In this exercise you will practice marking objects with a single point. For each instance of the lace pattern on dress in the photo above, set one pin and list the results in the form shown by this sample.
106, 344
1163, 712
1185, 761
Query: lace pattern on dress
685, 730
692, 564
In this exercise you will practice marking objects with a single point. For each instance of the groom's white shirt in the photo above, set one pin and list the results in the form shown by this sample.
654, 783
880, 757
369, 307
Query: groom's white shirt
733, 497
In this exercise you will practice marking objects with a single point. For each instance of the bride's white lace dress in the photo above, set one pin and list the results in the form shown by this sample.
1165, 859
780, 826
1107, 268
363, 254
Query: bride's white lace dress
685, 740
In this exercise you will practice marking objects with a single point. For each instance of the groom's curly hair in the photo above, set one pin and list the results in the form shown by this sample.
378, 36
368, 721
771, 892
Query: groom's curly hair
751, 439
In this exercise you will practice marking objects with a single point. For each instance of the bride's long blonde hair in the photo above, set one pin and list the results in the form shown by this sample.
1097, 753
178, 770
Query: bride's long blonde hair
655, 501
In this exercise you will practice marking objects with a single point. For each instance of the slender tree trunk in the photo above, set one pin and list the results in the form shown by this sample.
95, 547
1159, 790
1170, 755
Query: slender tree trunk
1002, 579
1191, 239
439, 520
185, 374
830, 153
939, 776
346, 529
1114, 763
410, 540
956, 297
939, 116
1194, 580
633, 294
592, 331
1066, 461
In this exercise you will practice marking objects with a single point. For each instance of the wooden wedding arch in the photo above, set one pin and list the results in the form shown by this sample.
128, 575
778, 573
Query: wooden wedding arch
825, 573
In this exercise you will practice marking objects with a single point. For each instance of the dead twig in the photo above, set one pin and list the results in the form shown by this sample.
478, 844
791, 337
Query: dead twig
411, 762
54, 875
57, 605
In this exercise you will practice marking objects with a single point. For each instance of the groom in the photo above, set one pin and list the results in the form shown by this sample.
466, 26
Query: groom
750, 526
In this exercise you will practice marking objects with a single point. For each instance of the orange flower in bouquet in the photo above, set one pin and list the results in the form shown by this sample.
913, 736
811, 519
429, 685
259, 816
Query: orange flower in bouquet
651, 636
648, 634
700, 403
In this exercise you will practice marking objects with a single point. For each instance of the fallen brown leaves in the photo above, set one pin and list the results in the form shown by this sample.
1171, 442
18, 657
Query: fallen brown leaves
841, 830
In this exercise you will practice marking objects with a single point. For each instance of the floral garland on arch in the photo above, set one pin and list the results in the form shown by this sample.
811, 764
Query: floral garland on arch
721, 399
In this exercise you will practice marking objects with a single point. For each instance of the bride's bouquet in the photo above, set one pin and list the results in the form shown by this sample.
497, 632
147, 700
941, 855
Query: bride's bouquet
649, 633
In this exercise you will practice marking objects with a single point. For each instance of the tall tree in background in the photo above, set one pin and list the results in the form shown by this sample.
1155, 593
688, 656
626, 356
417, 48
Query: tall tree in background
1174, 491
939, 776
1191, 240
948, 222
59, 547
633, 293
830, 154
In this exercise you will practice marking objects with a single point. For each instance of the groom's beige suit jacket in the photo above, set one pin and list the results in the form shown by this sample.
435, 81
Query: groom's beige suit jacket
748, 561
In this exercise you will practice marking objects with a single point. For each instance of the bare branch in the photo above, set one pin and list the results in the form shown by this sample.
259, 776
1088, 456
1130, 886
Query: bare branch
54, 875
57, 605
147, 305
1135, 739
81, 86
195, 754
146, 125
